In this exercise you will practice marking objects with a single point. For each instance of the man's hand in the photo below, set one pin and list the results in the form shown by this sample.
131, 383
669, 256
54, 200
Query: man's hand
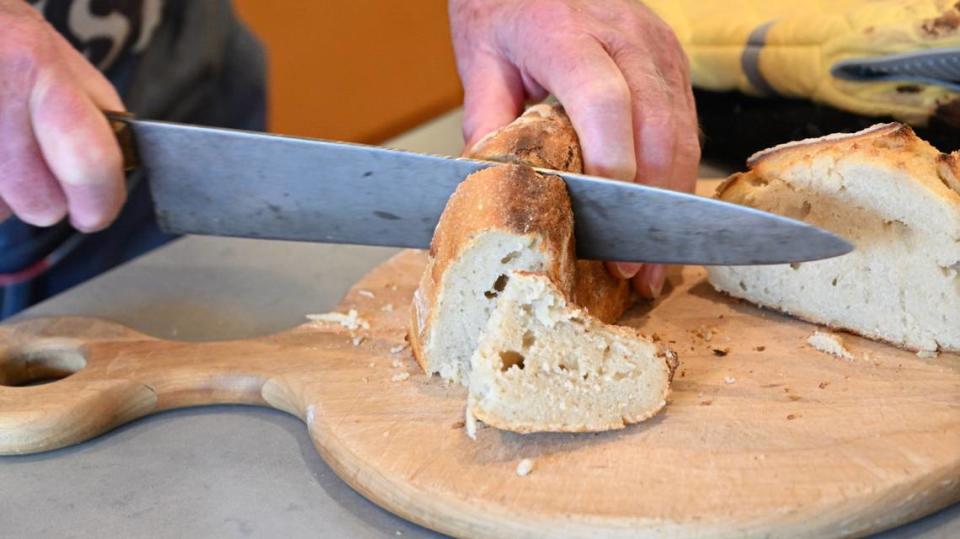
615, 66
58, 155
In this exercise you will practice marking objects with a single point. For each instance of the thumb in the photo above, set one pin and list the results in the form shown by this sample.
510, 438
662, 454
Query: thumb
492, 97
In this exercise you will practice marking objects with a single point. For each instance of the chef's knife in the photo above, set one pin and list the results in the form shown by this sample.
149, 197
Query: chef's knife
225, 182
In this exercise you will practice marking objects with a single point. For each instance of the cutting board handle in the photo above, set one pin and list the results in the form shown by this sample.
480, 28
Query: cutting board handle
65, 380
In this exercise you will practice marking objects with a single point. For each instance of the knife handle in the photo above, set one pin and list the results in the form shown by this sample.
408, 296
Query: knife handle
119, 123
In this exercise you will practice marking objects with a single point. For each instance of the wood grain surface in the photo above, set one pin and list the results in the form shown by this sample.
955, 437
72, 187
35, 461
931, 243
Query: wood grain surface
762, 435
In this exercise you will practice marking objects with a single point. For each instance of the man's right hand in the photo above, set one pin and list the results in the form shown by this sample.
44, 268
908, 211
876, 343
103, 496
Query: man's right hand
58, 155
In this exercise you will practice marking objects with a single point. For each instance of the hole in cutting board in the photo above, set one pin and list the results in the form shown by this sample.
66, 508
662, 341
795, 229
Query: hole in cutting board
40, 365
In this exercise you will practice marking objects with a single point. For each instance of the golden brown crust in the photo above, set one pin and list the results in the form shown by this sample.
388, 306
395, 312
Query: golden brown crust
599, 293
543, 137
948, 168
873, 143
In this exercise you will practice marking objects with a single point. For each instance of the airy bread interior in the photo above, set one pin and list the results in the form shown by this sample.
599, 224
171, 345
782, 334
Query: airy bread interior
884, 190
471, 285
543, 364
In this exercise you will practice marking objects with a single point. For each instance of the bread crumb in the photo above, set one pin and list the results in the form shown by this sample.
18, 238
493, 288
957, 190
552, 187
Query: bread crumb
351, 320
720, 352
759, 348
357, 339
729, 380
392, 286
706, 403
704, 333
366, 293
396, 364
371, 365
388, 308
822, 385
400, 376
683, 373
524, 467
829, 343
791, 417
399, 348
927, 354
457, 425
470, 422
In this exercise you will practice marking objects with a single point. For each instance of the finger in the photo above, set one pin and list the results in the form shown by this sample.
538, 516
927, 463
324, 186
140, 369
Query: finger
79, 148
648, 283
623, 270
593, 91
492, 97
653, 116
686, 161
27, 187
96, 86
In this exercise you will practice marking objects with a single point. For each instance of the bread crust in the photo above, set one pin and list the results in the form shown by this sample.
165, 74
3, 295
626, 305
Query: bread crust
913, 153
544, 137
510, 198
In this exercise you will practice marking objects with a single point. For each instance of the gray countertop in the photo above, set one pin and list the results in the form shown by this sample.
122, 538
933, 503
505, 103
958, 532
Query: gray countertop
223, 471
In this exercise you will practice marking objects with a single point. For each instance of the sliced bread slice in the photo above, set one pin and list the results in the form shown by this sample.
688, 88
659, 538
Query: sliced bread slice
897, 199
544, 364
500, 219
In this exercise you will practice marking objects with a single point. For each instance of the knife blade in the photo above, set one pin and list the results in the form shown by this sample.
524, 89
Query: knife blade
225, 182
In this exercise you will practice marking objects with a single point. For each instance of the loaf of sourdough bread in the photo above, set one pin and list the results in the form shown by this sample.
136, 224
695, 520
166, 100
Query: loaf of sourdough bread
543, 137
897, 199
543, 364
502, 219
499, 219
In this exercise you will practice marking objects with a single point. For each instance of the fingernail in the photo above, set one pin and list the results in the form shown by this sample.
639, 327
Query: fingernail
657, 275
626, 270
649, 282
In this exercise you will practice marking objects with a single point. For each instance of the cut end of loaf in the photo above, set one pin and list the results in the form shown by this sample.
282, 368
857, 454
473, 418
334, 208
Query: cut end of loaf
890, 193
543, 365
500, 219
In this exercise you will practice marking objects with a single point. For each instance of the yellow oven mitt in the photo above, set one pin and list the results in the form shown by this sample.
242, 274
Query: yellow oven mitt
897, 58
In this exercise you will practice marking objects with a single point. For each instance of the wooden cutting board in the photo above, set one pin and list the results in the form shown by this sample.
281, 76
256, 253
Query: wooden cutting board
762, 436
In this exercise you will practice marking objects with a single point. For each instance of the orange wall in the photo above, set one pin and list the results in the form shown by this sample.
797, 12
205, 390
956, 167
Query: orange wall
357, 70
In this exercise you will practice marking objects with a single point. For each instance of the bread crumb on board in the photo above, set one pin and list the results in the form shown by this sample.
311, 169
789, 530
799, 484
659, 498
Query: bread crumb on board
524, 467
400, 376
366, 293
704, 333
351, 320
388, 308
399, 348
729, 380
927, 354
829, 343
396, 364
357, 339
